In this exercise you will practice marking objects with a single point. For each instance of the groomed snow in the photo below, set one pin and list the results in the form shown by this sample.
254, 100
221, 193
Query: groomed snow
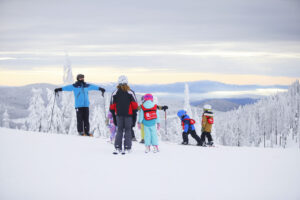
38, 166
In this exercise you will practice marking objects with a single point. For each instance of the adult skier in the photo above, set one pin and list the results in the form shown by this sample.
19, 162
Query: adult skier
80, 90
123, 106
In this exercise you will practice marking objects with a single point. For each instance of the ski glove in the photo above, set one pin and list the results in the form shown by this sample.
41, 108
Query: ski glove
164, 108
57, 90
102, 90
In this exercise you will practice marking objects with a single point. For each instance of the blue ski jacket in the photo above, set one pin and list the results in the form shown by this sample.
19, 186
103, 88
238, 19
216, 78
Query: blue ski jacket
187, 125
81, 95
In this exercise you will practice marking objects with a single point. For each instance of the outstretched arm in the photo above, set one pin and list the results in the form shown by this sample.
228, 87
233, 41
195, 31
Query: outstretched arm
94, 87
68, 88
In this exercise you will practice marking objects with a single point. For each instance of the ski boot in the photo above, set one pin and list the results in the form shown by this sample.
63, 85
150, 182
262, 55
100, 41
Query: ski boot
184, 143
155, 149
147, 149
117, 151
81, 133
210, 144
142, 141
127, 151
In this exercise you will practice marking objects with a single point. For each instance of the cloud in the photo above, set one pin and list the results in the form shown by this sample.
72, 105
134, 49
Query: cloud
258, 37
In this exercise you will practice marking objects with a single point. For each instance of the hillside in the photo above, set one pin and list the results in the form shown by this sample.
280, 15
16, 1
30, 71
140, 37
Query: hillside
54, 166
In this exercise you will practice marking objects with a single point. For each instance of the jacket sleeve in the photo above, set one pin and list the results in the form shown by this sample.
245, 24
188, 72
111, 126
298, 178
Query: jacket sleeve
186, 125
68, 88
133, 103
158, 117
204, 121
141, 116
112, 106
92, 87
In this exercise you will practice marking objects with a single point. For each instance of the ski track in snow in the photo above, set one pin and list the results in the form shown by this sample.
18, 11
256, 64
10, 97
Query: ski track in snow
35, 166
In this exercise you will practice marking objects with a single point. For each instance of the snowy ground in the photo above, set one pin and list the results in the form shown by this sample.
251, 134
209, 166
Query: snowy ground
37, 166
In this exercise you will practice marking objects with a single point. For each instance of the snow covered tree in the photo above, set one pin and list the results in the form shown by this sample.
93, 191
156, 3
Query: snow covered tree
5, 119
67, 103
187, 106
270, 122
53, 114
35, 120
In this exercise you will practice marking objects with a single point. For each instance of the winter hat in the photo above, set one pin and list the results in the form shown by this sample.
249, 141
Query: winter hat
207, 107
148, 97
123, 80
181, 113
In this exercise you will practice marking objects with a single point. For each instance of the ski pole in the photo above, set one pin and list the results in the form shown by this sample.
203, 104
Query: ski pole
52, 112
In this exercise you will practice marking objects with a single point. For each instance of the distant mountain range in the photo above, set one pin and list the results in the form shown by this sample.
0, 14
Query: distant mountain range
16, 99
226, 104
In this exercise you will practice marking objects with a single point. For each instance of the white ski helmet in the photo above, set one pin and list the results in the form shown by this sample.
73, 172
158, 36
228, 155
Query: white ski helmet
207, 107
122, 80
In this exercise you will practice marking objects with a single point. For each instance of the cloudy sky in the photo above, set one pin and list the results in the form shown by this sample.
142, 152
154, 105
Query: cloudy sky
157, 41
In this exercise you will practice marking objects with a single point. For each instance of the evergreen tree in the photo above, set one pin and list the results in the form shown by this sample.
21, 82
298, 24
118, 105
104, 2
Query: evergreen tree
5, 119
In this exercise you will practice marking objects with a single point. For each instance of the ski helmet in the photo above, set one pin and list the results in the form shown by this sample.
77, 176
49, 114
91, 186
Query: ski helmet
148, 97
181, 113
123, 80
207, 107
79, 76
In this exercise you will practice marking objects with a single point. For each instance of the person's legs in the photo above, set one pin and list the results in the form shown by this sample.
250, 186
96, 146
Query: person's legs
86, 122
147, 135
128, 133
120, 130
196, 137
142, 133
154, 138
203, 134
185, 138
79, 116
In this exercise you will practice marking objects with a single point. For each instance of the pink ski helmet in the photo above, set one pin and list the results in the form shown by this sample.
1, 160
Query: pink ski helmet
148, 97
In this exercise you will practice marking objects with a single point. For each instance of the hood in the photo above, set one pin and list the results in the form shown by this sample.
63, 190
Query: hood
148, 104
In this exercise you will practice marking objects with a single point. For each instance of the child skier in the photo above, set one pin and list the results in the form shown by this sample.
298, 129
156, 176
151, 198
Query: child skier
164, 108
112, 127
207, 122
188, 128
149, 117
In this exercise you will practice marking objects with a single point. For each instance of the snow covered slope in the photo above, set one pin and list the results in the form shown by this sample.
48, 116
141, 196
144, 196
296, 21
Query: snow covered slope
37, 166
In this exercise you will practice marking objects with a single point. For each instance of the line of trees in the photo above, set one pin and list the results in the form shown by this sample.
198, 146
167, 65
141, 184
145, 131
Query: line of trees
271, 122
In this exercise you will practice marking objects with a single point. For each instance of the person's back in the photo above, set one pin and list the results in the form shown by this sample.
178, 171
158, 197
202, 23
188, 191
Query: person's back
123, 106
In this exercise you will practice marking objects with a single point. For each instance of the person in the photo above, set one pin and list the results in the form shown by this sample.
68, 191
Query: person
123, 105
164, 108
188, 128
149, 117
80, 90
207, 122
111, 126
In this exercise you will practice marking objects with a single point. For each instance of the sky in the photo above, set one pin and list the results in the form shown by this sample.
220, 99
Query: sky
232, 41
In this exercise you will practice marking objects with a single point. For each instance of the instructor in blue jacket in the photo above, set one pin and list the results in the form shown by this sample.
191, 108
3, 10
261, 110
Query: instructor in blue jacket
80, 90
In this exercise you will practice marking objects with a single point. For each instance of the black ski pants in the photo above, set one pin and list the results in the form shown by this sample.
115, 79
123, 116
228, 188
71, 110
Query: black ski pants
206, 135
193, 134
83, 124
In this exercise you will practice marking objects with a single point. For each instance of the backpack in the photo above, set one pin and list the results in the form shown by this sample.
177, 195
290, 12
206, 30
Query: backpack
191, 122
150, 113
210, 120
